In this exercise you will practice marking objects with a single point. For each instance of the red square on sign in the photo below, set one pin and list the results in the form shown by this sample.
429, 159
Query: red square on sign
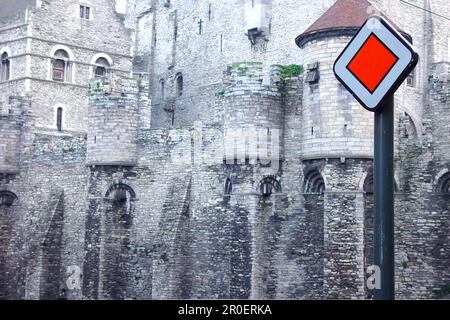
372, 63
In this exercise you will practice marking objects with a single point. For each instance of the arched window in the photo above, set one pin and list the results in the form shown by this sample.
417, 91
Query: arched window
443, 185
7, 198
368, 184
62, 67
120, 192
410, 127
269, 185
5, 67
313, 182
162, 88
102, 66
179, 84
59, 115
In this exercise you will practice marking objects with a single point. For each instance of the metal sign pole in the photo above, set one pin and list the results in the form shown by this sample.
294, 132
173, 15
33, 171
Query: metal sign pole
372, 67
384, 198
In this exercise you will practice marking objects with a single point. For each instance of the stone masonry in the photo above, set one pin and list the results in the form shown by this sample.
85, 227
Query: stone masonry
214, 158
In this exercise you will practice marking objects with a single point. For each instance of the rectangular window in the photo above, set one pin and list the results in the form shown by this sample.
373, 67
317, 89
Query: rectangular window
100, 72
59, 119
313, 75
410, 80
85, 12
58, 70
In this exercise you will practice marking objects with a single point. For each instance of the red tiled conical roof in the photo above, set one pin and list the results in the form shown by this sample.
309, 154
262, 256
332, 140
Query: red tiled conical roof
345, 17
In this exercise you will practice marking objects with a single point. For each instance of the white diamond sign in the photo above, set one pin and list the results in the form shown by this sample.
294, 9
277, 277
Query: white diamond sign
375, 62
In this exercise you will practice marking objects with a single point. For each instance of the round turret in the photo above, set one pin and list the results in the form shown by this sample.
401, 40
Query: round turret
253, 115
334, 124
112, 122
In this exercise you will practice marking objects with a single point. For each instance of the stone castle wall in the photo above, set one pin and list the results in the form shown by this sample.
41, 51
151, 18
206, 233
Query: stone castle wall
180, 235
422, 205
133, 211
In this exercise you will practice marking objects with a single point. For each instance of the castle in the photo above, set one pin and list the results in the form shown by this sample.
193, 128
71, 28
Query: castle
204, 149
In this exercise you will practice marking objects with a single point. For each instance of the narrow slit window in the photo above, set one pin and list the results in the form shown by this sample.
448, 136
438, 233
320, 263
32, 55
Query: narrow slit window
59, 115
179, 85
162, 89
5, 68
200, 26
175, 32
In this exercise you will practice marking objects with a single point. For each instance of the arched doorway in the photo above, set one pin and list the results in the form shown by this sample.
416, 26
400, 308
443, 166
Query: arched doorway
8, 202
116, 230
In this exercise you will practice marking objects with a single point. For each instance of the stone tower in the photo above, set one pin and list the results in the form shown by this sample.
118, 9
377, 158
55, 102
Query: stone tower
11, 124
113, 121
253, 115
337, 144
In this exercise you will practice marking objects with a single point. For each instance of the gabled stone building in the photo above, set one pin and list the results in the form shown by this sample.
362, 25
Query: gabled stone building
50, 50
233, 165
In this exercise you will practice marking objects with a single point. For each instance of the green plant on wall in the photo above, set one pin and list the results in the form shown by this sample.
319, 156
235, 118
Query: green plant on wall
242, 69
221, 93
443, 291
286, 73
289, 71
98, 87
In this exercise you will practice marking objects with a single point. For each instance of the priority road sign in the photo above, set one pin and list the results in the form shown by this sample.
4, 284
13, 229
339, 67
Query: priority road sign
375, 63
372, 67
